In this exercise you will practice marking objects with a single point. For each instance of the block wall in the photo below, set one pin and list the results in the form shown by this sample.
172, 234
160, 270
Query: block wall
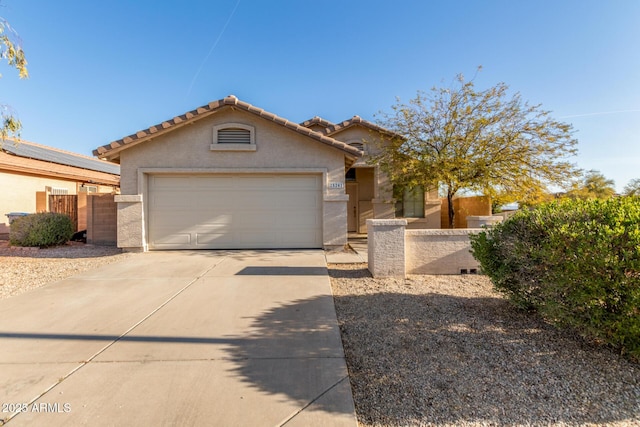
101, 220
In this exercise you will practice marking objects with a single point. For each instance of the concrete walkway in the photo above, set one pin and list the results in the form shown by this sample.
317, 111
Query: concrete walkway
232, 338
356, 254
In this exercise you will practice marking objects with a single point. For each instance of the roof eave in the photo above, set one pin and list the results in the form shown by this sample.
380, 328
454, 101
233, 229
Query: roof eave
112, 151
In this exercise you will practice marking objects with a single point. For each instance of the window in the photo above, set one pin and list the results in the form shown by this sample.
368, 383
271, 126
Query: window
233, 137
413, 202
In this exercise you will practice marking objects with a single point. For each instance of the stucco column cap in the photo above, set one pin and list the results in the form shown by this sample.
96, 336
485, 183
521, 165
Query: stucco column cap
128, 198
386, 222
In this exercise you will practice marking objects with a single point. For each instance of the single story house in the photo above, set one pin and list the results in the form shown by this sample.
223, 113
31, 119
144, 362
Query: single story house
229, 175
30, 172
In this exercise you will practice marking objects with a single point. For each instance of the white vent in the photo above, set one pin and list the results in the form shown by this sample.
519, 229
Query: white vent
58, 191
234, 136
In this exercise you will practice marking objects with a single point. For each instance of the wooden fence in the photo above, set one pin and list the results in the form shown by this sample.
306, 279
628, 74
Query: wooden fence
65, 204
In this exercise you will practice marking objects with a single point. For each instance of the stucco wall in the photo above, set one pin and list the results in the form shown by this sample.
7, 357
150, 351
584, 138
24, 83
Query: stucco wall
395, 251
381, 195
277, 148
19, 193
439, 251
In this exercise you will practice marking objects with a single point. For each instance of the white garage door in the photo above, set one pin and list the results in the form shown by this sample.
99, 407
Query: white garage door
235, 211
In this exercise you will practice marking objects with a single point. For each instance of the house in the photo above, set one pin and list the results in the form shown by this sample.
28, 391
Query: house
30, 173
229, 175
370, 192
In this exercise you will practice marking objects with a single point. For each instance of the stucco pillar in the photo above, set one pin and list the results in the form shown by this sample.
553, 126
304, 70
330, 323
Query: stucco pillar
386, 247
335, 221
130, 222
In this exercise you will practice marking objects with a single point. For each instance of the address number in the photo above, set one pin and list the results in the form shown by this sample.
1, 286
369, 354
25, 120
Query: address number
336, 185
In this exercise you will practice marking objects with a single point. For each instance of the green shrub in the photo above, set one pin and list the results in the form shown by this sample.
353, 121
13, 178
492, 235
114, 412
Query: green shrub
575, 262
41, 229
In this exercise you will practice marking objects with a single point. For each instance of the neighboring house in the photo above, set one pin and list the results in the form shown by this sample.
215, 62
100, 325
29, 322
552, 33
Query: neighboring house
229, 175
30, 172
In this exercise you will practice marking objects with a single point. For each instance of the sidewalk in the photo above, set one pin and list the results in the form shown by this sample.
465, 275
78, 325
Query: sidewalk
355, 254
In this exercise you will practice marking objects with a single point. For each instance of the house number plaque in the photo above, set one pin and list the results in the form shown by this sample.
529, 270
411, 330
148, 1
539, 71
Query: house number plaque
336, 185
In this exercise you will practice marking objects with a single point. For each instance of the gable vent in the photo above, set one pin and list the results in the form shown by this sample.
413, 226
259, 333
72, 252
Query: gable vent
359, 145
234, 136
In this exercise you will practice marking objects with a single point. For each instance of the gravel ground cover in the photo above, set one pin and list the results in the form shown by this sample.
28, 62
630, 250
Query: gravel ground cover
23, 269
448, 350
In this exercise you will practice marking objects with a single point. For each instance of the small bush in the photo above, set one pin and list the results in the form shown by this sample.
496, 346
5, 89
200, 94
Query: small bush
41, 229
575, 262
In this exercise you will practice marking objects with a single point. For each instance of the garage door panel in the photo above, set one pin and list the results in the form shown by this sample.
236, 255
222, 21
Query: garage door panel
173, 238
235, 212
208, 221
213, 240
171, 200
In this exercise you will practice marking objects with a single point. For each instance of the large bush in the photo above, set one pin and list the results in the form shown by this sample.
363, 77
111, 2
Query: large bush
41, 229
575, 262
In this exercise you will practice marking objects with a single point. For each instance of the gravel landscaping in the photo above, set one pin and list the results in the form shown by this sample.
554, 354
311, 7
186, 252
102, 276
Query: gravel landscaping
23, 269
428, 350
448, 350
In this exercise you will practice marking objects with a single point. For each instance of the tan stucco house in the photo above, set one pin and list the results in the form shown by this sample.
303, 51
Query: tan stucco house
229, 175
30, 172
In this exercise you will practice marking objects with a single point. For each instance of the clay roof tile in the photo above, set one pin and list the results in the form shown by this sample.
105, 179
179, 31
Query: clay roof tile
214, 106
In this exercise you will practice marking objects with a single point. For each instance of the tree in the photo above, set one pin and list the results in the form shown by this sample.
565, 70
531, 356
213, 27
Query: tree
11, 51
593, 185
632, 188
461, 138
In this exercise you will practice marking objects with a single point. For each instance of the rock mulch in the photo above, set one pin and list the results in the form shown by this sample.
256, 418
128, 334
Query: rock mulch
23, 269
450, 351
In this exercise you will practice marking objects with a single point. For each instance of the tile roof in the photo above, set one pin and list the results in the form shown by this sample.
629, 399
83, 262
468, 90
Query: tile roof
110, 151
31, 150
316, 120
357, 120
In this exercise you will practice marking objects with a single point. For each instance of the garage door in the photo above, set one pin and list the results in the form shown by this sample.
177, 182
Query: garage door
235, 211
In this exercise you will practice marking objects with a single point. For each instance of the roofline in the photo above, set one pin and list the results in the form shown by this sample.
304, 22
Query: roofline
38, 167
57, 150
317, 120
357, 120
111, 150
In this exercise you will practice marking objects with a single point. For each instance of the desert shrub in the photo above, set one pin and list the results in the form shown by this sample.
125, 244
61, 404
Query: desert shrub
575, 262
41, 229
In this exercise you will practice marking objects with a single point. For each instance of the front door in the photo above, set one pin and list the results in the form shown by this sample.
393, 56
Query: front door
352, 207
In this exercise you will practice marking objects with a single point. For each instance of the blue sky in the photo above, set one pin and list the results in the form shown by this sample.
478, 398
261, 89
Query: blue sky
103, 70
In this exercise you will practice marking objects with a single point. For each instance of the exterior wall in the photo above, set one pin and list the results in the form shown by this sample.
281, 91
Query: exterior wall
375, 201
439, 251
464, 207
187, 149
432, 213
20, 193
101, 224
395, 251
483, 221
131, 230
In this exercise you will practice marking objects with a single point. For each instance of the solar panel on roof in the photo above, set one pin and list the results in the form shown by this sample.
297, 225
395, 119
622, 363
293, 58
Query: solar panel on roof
23, 149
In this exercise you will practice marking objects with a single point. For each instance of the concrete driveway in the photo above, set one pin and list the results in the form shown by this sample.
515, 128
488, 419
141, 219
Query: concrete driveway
233, 338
